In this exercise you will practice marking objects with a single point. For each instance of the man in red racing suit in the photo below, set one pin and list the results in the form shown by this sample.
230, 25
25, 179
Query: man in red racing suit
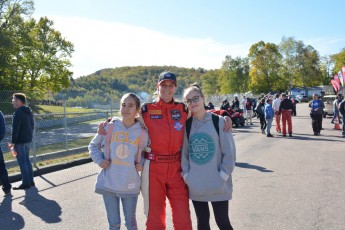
161, 176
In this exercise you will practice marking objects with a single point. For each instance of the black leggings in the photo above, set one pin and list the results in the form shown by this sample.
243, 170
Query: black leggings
221, 213
317, 122
263, 122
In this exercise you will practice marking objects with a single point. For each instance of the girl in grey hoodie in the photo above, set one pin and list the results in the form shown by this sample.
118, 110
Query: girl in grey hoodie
118, 153
208, 159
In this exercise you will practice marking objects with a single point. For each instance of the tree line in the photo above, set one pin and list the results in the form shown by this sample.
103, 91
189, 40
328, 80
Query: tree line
35, 58
271, 67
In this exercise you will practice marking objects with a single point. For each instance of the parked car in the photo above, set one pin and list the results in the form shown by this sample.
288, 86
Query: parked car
304, 99
328, 101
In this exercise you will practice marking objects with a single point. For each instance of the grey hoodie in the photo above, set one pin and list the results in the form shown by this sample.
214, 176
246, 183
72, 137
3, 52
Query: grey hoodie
208, 160
121, 177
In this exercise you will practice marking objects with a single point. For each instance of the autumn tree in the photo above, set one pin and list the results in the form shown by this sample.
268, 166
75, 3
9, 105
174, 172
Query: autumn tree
339, 60
265, 61
301, 63
210, 82
35, 56
234, 76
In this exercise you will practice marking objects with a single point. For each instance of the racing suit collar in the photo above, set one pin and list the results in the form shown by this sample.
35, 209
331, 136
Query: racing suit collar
162, 103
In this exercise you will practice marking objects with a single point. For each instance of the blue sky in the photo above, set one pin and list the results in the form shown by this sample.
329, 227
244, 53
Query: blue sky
113, 33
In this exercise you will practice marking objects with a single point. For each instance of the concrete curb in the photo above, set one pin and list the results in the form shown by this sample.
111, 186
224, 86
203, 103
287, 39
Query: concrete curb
50, 156
51, 168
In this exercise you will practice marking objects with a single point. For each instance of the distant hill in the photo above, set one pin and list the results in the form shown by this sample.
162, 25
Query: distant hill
109, 84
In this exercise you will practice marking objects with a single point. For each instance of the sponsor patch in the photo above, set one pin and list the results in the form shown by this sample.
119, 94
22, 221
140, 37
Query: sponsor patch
178, 126
175, 115
155, 112
156, 116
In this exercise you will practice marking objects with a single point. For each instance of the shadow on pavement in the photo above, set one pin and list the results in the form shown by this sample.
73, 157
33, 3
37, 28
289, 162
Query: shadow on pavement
48, 210
311, 137
8, 218
249, 166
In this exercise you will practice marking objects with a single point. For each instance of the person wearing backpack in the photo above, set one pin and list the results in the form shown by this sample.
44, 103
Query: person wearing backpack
260, 109
122, 141
208, 160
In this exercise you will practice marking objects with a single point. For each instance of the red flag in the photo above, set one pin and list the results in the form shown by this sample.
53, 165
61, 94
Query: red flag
337, 82
341, 78
334, 86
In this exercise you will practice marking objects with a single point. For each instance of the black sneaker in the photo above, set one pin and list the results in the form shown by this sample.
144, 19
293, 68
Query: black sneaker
290, 134
33, 184
284, 135
22, 186
7, 192
269, 135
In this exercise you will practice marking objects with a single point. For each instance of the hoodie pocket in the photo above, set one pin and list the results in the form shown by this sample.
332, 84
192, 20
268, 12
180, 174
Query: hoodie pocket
210, 183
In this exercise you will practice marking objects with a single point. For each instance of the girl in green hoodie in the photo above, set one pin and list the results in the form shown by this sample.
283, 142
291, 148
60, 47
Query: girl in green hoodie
208, 159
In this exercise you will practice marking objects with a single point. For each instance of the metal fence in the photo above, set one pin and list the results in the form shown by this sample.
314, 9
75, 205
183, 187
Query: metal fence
61, 133
57, 137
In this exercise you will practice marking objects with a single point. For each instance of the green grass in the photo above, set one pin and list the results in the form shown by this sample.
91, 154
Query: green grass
43, 109
55, 147
53, 161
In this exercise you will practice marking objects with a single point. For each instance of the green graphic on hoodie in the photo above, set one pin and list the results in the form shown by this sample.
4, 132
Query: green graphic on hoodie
202, 148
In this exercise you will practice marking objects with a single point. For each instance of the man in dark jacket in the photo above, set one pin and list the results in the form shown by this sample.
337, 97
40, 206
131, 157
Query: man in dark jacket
6, 186
286, 110
317, 107
22, 132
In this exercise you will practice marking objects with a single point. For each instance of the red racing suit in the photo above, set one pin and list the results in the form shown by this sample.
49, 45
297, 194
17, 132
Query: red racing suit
161, 176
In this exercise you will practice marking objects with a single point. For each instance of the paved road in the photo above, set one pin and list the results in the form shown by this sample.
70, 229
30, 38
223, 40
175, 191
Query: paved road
279, 183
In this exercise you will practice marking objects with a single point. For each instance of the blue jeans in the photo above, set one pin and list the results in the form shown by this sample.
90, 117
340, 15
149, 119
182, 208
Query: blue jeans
23, 158
129, 205
336, 114
6, 186
269, 125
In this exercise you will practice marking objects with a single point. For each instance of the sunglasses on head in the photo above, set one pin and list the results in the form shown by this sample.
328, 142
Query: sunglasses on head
193, 100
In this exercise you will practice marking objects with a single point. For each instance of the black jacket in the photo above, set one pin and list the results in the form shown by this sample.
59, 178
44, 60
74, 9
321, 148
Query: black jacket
286, 104
22, 126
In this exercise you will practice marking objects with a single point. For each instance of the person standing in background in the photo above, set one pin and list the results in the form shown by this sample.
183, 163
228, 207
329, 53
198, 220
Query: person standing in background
286, 110
342, 111
6, 186
276, 104
22, 132
336, 103
260, 109
249, 111
269, 114
316, 106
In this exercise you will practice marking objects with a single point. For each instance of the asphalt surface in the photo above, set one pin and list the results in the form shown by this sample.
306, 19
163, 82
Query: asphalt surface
279, 183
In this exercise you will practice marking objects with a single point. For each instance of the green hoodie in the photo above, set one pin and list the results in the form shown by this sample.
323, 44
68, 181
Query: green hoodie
208, 160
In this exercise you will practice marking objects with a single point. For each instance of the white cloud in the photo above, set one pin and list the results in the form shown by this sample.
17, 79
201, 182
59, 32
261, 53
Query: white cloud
100, 44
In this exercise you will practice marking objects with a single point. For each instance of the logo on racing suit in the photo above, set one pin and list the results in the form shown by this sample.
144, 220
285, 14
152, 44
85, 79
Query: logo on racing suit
178, 126
156, 116
175, 115
202, 148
